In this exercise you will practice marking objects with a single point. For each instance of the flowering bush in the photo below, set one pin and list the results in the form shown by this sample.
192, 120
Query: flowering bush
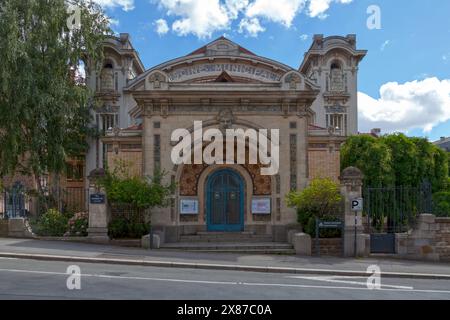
78, 225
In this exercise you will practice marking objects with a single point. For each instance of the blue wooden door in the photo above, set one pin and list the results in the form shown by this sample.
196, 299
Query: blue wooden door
225, 201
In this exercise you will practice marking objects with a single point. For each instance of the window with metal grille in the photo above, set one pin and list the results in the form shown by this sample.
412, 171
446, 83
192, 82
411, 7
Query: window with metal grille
109, 121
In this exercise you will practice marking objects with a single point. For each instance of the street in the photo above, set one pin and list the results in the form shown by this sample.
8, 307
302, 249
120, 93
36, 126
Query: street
30, 279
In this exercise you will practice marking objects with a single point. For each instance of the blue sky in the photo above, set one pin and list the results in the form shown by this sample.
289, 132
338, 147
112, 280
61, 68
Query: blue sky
408, 58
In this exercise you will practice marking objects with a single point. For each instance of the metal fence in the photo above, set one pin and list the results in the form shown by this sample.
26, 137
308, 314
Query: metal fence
21, 203
394, 209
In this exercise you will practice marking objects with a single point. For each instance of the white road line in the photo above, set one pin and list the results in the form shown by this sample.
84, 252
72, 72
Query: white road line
225, 282
334, 279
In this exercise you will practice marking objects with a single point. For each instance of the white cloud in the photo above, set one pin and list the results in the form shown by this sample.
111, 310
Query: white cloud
281, 11
199, 17
251, 27
420, 104
126, 5
204, 17
161, 27
318, 8
304, 37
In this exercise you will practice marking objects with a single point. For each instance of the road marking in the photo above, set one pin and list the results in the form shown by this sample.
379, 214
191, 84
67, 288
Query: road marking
335, 279
226, 282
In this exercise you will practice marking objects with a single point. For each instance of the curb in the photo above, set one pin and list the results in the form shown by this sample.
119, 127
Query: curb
186, 265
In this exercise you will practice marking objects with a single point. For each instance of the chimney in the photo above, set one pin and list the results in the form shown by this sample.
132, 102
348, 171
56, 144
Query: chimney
376, 132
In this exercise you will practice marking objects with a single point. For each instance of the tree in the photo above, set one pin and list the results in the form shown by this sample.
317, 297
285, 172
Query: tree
44, 111
372, 157
405, 159
396, 160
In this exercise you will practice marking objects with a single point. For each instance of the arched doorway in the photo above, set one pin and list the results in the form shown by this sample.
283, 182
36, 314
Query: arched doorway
225, 201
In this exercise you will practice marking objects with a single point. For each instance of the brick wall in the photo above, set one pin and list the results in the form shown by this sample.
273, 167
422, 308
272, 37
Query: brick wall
324, 164
132, 158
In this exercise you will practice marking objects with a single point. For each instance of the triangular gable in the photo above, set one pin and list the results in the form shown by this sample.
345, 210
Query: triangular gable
203, 49
224, 77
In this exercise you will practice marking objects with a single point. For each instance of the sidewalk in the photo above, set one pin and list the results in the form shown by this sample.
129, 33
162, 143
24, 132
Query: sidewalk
92, 253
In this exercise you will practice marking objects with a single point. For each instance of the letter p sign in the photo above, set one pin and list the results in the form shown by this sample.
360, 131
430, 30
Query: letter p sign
357, 204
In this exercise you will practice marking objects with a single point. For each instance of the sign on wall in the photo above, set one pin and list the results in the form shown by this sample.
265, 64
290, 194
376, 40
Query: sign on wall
261, 206
188, 206
97, 198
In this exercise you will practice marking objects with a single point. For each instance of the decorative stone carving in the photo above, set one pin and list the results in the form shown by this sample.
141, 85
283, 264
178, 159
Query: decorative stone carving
116, 131
226, 119
156, 79
293, 79
107, 77
337, 108
337, 81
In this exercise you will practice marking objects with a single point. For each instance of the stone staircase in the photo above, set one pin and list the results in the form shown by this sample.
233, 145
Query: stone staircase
226, 242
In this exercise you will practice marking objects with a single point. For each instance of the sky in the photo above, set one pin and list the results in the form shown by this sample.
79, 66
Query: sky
404, 81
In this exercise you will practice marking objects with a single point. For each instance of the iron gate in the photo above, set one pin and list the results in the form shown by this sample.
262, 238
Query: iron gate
392, 210
16, 202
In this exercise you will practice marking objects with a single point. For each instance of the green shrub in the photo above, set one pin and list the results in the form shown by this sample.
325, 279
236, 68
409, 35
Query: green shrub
52, 224
121, 228
441, 204
321, 199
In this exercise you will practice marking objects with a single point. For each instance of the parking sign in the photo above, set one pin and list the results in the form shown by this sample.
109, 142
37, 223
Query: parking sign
357, 204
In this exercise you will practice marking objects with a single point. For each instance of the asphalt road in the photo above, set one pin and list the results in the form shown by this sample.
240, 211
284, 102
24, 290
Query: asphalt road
29, 279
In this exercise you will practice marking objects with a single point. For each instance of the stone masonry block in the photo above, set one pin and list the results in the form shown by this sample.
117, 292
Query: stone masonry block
302, 244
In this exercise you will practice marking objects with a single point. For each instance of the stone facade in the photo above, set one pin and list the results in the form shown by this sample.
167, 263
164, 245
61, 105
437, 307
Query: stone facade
429, 240
227, 87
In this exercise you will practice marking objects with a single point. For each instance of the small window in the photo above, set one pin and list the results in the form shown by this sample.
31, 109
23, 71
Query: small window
157, 125
293, 125
75, 172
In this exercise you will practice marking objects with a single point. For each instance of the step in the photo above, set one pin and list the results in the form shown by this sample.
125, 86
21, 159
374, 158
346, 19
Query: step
197, 246
248, 251
226, 238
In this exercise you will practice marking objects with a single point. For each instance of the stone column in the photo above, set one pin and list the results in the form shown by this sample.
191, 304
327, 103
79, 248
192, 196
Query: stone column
147, 140
351, 188
98, 210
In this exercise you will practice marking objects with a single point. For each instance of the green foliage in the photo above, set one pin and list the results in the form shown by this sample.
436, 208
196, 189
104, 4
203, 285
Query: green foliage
396, 160
121, 228
371, 156
141, 193
321, 199
44, 109
441, 204
52, 224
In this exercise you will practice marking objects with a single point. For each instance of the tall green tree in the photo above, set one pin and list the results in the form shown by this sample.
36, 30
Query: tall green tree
372, 157
396, 160
405, 159
44, 110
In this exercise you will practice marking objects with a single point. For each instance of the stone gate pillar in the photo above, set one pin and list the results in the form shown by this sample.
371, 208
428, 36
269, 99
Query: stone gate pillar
351, 189
98, 209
